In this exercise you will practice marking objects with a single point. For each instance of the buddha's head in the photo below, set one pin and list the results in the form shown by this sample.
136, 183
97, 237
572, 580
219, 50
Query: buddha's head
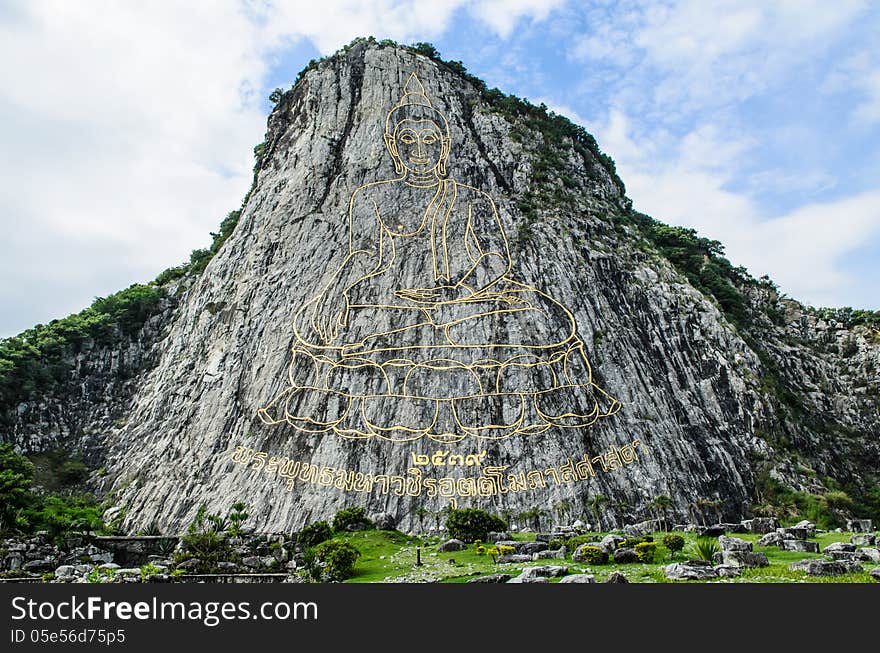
416, 134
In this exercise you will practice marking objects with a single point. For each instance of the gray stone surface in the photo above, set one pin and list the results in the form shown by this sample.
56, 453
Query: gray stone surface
716, 530
875, 574
496, 537
385, 521
859, 525
836, 547
491, 578
544, 571
761, 524
578, 578
807, 526
685, 571
733, 544
816, 567
739, 558
641, 528
804, 546
617, 578
869, 554
548, 554
625, 556
219, 347
513, 557
611, 541
530, 548
36, 566
452, 545
528, 579
796, 533
728, 571
771, 539
863, 539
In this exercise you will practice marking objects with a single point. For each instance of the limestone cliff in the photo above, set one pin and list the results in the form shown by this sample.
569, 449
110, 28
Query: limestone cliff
718, 400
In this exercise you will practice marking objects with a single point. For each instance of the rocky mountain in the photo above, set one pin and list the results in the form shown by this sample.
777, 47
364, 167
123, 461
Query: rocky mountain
711, 387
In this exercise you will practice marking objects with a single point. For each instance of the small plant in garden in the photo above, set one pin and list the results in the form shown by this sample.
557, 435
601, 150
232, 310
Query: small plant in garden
593, 555
338, 559
237, 516
149, 570
645, 551
705, 548
95, 575
674, 542
633, 542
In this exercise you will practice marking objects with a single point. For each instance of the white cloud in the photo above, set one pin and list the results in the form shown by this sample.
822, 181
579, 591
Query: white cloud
803, 250
503, 15
861, 73
127, 128
709, 53
688, 81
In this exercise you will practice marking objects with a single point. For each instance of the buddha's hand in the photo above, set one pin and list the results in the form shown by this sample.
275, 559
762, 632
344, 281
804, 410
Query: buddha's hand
436, 295
330, 315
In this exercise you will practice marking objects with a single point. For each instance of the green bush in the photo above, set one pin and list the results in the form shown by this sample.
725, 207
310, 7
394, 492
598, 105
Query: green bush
674, 542
351, 519
34, 361
149, 570
705, 548
470, 524
338, 558
60, 514
314, 534
646, 551
593, 555
633, 542
72, 471
16, 475
571, 543
205, 540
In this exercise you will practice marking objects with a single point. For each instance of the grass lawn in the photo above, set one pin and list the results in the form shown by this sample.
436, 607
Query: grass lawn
389, 556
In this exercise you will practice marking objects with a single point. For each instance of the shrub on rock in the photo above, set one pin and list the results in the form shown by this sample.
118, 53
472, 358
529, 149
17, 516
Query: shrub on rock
314, 534
592, 555
645, 552
338, 558
674, 542
351, 519
471, 524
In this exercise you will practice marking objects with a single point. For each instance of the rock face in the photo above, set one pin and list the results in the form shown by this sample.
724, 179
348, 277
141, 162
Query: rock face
452, 545
825, 567
733, 544
578, 578
692, 389
743, 558
689, 571
803, 546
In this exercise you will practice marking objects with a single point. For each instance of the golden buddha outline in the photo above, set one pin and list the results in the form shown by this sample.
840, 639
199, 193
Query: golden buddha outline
467, 351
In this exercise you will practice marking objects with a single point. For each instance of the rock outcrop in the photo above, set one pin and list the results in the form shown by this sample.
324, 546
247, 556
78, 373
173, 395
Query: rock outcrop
708, 406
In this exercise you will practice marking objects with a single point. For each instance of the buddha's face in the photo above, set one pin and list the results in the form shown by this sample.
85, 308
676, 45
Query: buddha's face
419, 144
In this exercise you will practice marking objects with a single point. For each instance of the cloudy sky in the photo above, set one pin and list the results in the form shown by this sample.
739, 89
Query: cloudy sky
127, 128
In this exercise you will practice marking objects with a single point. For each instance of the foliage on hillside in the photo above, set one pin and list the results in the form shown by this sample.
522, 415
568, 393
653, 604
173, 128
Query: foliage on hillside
23, 510
34, 361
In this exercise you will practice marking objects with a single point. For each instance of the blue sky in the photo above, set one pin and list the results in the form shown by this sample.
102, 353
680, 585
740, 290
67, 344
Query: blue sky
128, 129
